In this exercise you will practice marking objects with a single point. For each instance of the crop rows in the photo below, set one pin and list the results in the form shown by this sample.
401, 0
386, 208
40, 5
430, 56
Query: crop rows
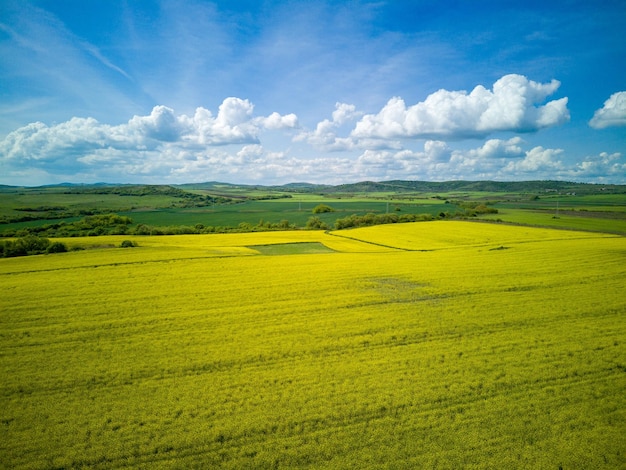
497, 347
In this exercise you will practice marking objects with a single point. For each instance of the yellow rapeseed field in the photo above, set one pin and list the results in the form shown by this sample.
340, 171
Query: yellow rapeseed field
424, 345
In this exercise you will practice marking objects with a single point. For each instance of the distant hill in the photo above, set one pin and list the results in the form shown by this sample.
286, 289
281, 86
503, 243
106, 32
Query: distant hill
489, 186
396, 186
400, 186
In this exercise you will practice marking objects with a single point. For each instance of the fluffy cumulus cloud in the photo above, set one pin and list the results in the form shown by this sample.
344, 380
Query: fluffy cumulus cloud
495, 159
613, 113
496, 148
535, 160
163, 146
513, 104
134, 158
161, 125
325, 134
602, 167
87, 141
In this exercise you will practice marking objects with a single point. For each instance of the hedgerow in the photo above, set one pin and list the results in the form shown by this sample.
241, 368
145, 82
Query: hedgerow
29, 245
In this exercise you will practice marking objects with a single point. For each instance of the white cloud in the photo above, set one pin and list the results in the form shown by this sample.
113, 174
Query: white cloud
165, 147
162, 129
276, 121
234, 124
437, 151
536, 159
613, 113
439, 162
513, 105
250, 152
345, 112
603, 166
496, 148
253, 163
161, 125
325, 134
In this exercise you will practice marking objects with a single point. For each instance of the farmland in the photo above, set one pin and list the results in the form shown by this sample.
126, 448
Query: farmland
445, 344
215, 207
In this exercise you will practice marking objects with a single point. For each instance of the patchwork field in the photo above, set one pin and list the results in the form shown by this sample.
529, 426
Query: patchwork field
428, 345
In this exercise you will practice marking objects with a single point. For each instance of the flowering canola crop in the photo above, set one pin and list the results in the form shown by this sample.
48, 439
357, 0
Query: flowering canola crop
426, 345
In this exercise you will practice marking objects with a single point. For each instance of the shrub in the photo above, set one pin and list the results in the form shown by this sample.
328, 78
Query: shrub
127, 244
321, 208
315, 223
56, 247
33, 244
142, 229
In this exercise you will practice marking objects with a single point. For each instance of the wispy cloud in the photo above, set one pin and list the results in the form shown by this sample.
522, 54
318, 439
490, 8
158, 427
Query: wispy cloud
44, 59
95, 52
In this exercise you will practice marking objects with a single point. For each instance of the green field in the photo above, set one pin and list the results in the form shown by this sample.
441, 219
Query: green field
223, 206
609, 222
54, 206
274, 211
427, 345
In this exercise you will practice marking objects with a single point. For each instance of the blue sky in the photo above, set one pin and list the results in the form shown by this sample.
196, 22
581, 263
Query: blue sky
272, 92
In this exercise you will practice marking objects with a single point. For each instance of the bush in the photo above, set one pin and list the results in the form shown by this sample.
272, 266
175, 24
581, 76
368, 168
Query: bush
142, 229
315, 223
56, 247
128, 244
321, 208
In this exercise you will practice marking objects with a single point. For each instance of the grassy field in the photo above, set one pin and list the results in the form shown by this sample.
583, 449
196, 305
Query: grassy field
223, 206
164, 211
424, 345
609, 222
296, 212
32, 198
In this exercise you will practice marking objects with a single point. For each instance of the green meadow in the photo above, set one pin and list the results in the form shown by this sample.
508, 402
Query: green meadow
223, 206
295, 212
613, 222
